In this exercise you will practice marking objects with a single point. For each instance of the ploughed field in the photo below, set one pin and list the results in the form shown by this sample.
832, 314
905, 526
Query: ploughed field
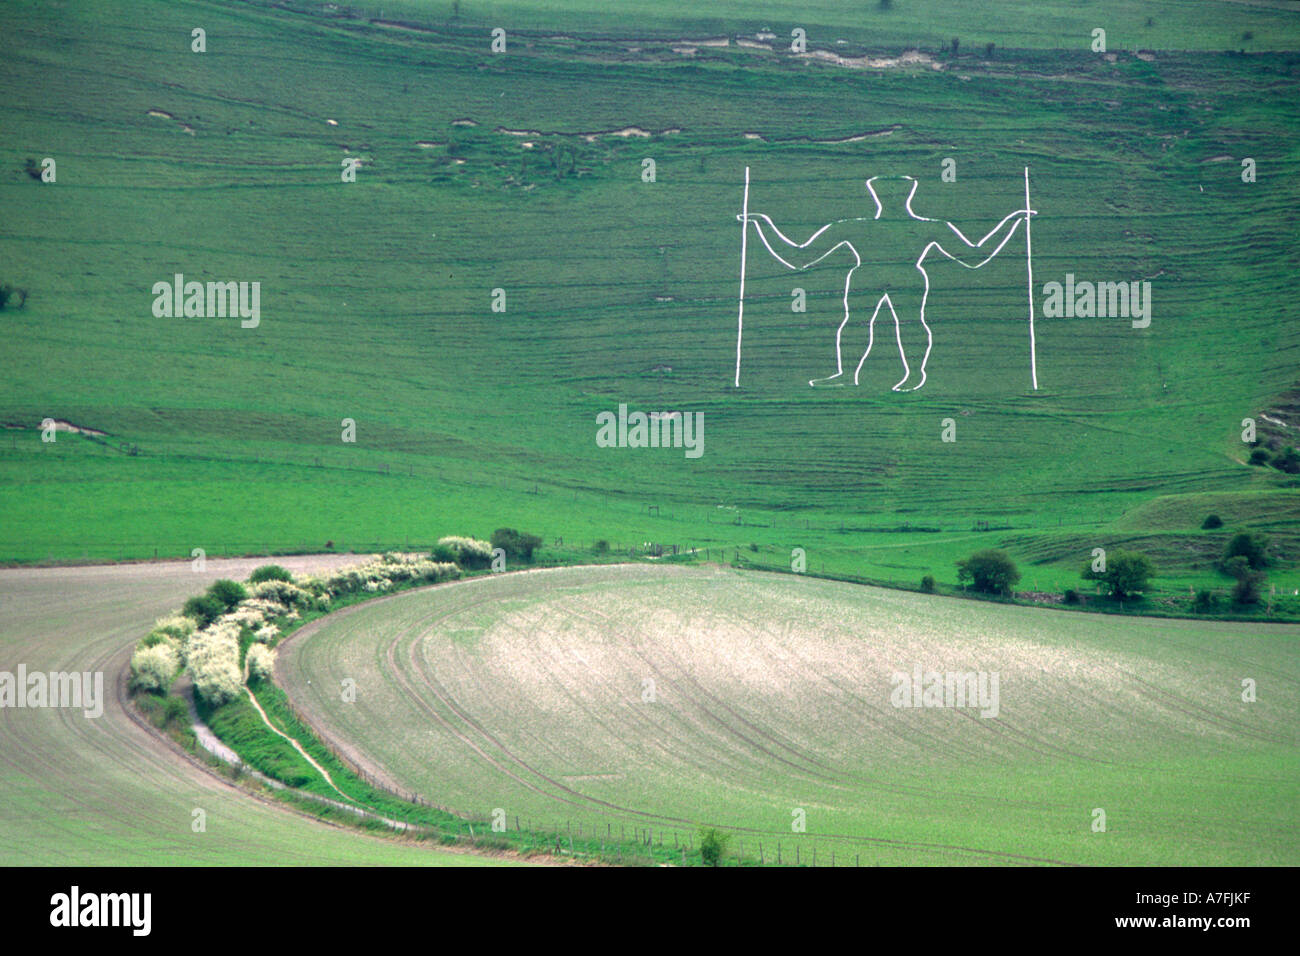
78, 791
658, 698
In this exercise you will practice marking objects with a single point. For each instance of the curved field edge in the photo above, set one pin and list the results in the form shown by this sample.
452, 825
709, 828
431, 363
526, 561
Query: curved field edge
481, 694
76, 791
265, 732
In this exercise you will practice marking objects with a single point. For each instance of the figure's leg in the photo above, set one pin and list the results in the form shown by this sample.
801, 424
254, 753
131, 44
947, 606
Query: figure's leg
838, 378
913, 336
882, 302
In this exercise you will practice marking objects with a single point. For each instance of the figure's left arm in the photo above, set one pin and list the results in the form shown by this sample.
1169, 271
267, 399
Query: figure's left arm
1007, 226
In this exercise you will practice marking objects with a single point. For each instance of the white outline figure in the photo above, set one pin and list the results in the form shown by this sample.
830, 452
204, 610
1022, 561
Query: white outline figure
759, 218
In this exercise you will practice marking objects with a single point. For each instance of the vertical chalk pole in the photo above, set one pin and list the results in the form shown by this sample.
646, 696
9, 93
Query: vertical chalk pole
744, 243
1029, 260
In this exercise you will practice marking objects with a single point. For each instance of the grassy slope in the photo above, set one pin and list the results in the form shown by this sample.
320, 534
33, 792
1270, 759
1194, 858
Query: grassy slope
1174, 24
375, 294
75, 791
774, 693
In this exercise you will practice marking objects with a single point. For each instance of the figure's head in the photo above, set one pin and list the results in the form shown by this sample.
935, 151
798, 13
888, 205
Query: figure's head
892, 193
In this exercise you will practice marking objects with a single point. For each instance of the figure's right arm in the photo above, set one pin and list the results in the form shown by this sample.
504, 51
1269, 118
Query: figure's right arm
797, 255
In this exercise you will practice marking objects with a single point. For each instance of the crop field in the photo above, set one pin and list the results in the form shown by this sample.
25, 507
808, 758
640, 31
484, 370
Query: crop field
772, 694
78, 791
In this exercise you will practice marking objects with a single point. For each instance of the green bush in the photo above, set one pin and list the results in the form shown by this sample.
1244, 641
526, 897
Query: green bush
1071, 596
602, 546
1288, 461
1259, 456
713, 845
1211, 522
517, 545
1205, 601
175, 713
927, 584
228, 592
204, 608
165, 713
270, 572
991, 571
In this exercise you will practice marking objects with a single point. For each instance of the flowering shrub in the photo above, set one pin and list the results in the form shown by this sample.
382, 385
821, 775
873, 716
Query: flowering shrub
379, 573
212, 657
244, 617
209, 649
467, 552
177, 626
260, 660
154, 667
282, 592
265, 606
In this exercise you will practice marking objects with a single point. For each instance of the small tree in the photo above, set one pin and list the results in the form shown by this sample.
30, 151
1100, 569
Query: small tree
1127, 573
1249, 580
1211, 522
270, 572
1249, 545
1259, 456
1205, 601
713, 845
928, 584
991, 571
10, 293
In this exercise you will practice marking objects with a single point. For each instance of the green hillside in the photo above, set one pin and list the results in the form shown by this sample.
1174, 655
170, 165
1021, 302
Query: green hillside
376, 294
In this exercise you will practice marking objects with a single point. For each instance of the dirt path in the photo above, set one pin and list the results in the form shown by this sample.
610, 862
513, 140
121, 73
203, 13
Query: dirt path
296, 746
